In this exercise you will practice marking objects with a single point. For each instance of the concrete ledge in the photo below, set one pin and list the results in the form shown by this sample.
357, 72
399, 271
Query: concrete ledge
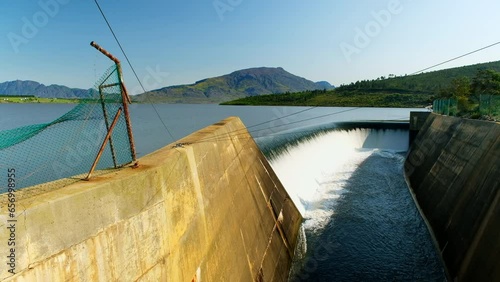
207, 210
453, 169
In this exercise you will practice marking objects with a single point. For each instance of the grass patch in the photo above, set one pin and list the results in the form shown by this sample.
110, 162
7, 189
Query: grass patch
31, 99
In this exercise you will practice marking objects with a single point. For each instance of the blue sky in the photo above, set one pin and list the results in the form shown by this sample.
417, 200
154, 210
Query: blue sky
180, 41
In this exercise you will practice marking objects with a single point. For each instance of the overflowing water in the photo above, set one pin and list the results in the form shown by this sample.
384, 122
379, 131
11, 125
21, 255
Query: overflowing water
360, 221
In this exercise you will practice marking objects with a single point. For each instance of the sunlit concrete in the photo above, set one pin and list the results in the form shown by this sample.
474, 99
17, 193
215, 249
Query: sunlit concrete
207, 209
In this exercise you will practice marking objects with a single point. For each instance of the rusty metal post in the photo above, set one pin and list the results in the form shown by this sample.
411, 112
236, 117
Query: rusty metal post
101, 150
125, 98
105, 113
106, 53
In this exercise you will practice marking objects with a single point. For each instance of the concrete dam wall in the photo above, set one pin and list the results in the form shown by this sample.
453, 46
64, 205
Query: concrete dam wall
208, 209
453, 168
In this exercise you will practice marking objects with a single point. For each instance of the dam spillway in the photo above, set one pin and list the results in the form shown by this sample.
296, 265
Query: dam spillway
207, 208
360, 220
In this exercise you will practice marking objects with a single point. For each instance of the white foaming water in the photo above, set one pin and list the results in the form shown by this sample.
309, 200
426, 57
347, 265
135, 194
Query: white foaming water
360, 222
315, 171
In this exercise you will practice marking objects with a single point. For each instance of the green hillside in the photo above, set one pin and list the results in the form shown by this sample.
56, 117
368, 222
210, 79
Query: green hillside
425, 83
238, 84
402, 91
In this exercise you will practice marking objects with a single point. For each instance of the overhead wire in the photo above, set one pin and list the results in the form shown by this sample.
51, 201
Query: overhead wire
456, 58
282, 117
133, 70
308, 119
246, 132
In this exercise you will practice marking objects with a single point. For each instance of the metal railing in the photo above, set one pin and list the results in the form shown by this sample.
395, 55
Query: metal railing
447, 107
489, 105
479, 107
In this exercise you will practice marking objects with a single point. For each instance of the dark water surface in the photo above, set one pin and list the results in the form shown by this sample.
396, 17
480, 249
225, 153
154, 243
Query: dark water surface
375, 234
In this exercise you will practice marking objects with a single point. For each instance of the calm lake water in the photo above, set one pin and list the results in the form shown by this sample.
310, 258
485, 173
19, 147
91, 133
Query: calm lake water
361, 223
181, 120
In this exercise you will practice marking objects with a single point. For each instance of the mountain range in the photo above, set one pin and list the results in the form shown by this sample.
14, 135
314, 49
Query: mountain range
242, 83
28, 87
260, 81
238, 84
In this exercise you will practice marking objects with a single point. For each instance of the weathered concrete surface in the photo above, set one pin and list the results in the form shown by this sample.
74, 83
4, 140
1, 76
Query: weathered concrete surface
417, 121
212, 210
453, 168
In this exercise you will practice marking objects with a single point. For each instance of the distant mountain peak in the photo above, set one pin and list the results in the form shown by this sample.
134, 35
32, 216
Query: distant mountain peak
238, 84
260, 70
325, 85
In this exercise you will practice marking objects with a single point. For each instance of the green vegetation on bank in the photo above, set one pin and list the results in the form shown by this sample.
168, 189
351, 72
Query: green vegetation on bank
478, 97
32, 99
335, 98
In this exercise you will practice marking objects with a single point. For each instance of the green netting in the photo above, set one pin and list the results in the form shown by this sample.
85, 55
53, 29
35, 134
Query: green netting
445, 107
483, 107
489, 106
68, 145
